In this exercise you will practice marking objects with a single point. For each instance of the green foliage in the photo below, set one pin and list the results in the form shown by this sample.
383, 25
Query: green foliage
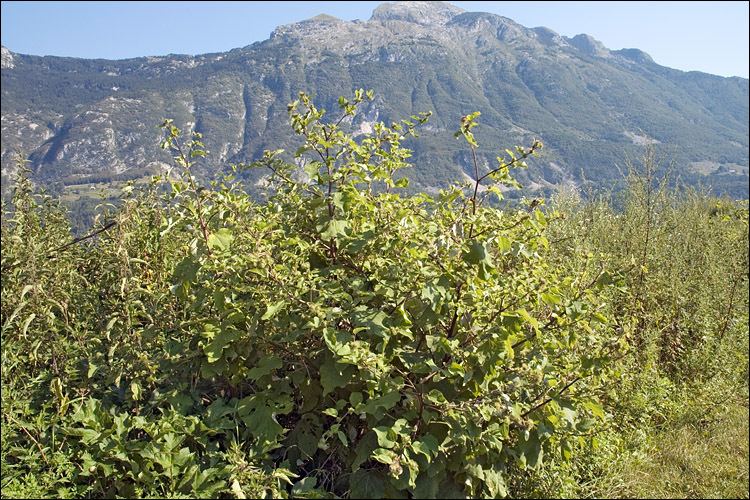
685, 254
344, 338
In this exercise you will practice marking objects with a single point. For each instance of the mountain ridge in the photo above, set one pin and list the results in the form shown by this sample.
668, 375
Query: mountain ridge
80, 119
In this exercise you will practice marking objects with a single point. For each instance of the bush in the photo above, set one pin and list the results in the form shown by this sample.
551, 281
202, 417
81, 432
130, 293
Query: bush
339, 339
346, 338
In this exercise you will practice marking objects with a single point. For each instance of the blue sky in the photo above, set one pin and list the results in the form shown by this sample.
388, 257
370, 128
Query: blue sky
704, 36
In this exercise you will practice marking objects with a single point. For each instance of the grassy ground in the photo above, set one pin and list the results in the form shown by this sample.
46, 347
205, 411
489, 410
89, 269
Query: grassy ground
686, 458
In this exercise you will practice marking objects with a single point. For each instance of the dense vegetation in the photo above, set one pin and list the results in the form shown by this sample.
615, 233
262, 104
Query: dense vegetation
346, 339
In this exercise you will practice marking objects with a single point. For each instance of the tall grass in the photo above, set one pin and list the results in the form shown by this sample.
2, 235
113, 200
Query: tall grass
685, 458
680, 408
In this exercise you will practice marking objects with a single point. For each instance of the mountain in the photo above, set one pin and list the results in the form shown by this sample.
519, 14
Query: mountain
88, 120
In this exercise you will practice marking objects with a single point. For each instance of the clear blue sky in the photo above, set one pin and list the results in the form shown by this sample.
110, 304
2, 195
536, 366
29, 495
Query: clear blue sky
703, 36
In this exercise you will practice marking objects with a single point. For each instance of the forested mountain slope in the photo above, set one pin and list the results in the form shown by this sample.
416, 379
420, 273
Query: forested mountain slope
82, 121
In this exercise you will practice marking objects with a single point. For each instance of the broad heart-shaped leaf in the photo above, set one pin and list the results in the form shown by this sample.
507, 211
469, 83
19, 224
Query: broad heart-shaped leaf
585, 425
435, 396
530, 449
306, 435
273, 309
575, 310
373, 319
436, 291
305, 488
265, 365
476, 253
337, 341
221, 340
427, 446
383, 439
386, 401
187, 270
300, 151
356, 245
312, 169
523, 313
568, 412
503, 244
402, 182
425, 487
449, 489
596, 409
220, 240
366, 484
333, 375
496, 483
551, 299
364, 448
257, 412
209, 369
334, 228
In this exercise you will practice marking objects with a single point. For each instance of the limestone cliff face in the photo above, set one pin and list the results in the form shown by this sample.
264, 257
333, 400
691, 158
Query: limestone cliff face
6, 58
424, 13
79, 119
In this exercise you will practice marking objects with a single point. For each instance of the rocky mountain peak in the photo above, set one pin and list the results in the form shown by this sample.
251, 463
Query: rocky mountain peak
501, 27
636, 55
325, 18
425, 13
322, 23
549, 37
589, 45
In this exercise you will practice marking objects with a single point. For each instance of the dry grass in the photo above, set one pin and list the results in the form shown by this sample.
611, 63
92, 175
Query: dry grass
704, 459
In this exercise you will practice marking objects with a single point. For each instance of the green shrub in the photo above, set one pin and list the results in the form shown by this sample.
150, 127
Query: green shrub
347, 339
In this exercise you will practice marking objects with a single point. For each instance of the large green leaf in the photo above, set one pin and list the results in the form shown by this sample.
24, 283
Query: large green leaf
334, 228
337, 346
366, 445
496, 483
426, 487
476, 253
530, 449
273, 309
366, 484
334, 374
220, 240
386, 401
222, 338
187, 270
306, 435
384, 438
265, 365
258, 413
